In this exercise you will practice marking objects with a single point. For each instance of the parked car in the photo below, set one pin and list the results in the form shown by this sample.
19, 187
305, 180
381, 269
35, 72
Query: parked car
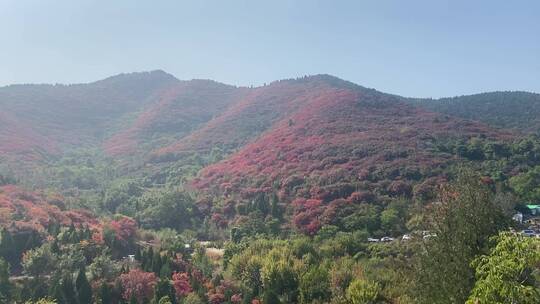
372, 240
528, 233
386, 239
406, 237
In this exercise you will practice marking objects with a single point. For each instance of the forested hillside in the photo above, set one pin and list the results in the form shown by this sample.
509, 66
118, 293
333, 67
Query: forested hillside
509, 110
47, 119
142, 188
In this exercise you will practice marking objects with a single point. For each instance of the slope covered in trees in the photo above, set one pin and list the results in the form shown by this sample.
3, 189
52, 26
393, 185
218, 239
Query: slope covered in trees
509, 110
257, 112
175, 113
49, 118
346, 145
200, 192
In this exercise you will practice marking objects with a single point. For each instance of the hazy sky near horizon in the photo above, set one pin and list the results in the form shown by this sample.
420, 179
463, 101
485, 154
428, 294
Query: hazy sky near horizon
418, 48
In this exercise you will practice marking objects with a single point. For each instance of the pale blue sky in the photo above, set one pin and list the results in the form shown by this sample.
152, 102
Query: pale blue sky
412, 48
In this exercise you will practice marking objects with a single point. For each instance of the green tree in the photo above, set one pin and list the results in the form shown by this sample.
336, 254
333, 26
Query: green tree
103, 267
363, 292
68, 291
105, 296
314, 286
166, 209
507, 273
164, 289
5, 285
270, 297
165, 300
193, 298
527, 185
462, 223
84, 291
42, 301
7, 246
279, 273
39, 261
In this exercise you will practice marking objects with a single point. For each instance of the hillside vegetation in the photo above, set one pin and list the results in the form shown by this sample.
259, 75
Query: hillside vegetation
508, 110
142, 188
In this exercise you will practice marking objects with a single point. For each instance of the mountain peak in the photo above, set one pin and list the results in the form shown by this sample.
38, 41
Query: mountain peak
153, 76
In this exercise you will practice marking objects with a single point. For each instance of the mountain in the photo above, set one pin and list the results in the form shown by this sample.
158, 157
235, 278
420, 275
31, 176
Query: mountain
508, 110
45, 119
301, 172
257, 112
329, 140
175, 113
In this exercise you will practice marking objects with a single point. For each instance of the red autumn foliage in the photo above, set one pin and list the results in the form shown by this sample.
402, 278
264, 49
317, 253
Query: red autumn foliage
400, 188
236, 298
335, 135
181, 284
125, 229
138, 283
25, 210
176, 111
219, 220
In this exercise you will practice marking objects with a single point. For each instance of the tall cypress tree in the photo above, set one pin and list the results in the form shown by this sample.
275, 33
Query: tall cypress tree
5, 285
68, 291
7, 246
156, 263
84, 291
105, 294
56, 291
166, 270
164, 289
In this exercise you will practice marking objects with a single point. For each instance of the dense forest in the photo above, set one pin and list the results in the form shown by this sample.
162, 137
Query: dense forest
142, 188
509, 110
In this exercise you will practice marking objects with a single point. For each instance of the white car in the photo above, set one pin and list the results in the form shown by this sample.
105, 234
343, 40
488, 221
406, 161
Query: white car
386, 239
528, 233
372, 240
406, 237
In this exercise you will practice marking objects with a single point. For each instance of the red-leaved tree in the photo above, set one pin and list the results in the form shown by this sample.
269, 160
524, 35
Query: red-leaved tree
181, 284
139, 284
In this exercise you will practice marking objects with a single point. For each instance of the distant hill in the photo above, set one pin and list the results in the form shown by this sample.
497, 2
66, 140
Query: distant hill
174, 113
510, 110
321, 148
45, 119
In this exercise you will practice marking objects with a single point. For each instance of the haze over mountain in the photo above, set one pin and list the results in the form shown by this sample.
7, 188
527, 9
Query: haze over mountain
148, 164
510, 110
153, 112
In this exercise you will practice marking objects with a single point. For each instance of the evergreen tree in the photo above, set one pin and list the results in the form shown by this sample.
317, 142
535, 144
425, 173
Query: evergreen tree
270, 297
148, 260
68, 291
165, 300
463, 222
138, 255
7, 246
156, 262
165, 271
105, 294
5, 285
164, 289
84, 291
275, 209
56, 291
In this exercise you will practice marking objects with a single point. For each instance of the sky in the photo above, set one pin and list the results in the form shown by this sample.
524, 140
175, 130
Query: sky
429, 48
